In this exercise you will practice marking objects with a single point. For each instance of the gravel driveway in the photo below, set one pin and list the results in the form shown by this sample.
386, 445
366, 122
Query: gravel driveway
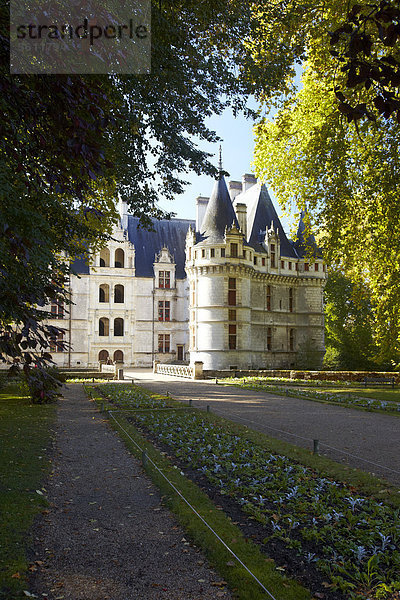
106, 535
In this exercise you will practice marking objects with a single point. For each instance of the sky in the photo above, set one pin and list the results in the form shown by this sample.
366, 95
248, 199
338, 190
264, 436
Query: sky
237, 155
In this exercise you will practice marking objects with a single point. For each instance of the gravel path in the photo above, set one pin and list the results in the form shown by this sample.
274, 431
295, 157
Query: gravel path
366, 440
106, 535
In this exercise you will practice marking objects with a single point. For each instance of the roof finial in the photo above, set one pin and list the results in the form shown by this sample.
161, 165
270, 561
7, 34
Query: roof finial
220, 159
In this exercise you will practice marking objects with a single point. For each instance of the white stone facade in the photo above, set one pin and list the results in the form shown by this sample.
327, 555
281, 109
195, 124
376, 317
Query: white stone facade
179, 294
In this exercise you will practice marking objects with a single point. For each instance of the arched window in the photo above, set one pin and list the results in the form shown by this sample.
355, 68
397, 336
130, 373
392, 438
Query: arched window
104, 293
104, 326
103, 356
105, 257
119, 258
118, 356
118, 327
119, 293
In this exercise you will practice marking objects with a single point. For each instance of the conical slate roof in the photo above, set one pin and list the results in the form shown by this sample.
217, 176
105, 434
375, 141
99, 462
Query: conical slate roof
305, 244
219, 213
260, 214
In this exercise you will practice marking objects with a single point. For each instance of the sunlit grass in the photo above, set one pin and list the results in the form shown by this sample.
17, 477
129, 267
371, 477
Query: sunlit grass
25, 438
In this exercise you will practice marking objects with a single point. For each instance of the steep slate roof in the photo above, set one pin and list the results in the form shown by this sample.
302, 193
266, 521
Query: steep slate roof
260, 213
305, 245
171, 234
219, 213
80, 266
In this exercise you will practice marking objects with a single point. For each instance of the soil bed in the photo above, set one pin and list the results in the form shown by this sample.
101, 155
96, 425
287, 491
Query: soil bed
284, 557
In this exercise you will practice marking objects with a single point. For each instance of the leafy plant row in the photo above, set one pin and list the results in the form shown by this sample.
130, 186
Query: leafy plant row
353, 540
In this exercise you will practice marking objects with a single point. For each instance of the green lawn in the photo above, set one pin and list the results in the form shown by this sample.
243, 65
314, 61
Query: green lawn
25, 438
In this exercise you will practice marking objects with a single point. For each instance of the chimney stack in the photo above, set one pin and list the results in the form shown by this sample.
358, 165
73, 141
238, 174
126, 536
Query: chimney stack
235, 188
248, 180
241, 213
201, 206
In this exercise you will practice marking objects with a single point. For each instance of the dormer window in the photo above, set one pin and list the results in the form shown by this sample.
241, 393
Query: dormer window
164, 279
273, 256
234, 250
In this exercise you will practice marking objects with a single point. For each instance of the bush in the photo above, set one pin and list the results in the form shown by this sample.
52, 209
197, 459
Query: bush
44, 384
308, 357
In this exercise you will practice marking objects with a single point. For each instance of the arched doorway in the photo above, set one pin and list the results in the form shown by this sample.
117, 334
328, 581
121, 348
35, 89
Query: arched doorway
118, 356
103, 356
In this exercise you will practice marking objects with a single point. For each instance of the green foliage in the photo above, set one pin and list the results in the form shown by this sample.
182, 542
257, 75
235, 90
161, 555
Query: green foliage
343, 173
43, 385
349, 325
307, 357
69, 145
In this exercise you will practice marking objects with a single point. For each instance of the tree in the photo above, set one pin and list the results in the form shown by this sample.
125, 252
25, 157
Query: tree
70, 144
366, 48
345, 174
349, 326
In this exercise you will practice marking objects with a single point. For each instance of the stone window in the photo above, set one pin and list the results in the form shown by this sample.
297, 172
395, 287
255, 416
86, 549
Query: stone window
56, 343
105, 257
203, 253
269, 296
269, 338
119, 294
244, 254
297, 266
306, 267
164, 310
57, 309
282, 264
290, 266
255, 260
164, 342
222, 252
234, 250
119, 327
291, 340
104, 293
232, 291
212, 252
273, 256
316, 266
290, 299
263, 262
232, 337
164, 279
119, 258
232, 314
118, 356
190, 254
104, 326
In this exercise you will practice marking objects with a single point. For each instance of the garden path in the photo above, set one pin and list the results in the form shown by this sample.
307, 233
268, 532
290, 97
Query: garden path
106, 534
366, 440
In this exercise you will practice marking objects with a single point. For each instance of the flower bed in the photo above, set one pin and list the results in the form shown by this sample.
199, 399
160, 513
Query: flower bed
344, 399
122, 396
353, 541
